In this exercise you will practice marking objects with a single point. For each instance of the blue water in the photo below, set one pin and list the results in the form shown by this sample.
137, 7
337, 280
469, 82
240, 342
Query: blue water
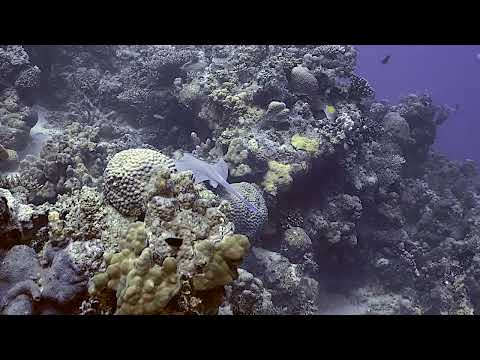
450, 73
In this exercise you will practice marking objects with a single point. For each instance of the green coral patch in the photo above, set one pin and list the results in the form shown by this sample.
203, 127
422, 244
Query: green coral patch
304, 143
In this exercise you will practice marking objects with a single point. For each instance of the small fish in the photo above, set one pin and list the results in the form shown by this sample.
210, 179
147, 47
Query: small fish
173, 241
213, 173
330, 112
386, 59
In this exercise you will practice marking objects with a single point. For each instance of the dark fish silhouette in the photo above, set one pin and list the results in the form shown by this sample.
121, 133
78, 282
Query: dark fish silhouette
173, 241
386, 59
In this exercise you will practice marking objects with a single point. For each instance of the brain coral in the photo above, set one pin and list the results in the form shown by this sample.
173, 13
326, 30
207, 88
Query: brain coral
247, 222
303, 81
126, 176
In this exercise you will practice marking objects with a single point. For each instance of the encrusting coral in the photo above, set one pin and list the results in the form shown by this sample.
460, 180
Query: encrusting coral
278, 177
304, 143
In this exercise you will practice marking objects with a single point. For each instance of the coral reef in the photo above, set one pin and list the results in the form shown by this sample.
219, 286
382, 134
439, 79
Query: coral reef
292, 291
337, 221
180, 258
16, 120
351, 202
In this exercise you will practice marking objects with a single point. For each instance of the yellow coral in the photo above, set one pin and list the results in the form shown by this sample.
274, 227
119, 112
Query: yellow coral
221, 261
277, 176
304, 143
136, 238
142, 287
150, 275
148, 289
55, 226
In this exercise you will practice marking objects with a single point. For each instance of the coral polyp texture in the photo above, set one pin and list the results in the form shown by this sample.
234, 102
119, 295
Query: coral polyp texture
140, 285
126, 176
303, 81
226, 179
248, 222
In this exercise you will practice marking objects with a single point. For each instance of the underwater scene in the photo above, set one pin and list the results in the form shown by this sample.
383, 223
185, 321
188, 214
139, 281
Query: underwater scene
239, 180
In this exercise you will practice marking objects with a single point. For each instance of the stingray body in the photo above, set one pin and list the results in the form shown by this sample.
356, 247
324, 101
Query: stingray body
215, 174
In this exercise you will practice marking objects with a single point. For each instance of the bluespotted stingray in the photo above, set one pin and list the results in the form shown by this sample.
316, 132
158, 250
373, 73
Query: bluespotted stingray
215, 174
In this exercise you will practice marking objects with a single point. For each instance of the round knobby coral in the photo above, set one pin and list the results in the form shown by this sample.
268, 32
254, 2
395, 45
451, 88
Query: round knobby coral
142, 287
248, 222
126, 176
